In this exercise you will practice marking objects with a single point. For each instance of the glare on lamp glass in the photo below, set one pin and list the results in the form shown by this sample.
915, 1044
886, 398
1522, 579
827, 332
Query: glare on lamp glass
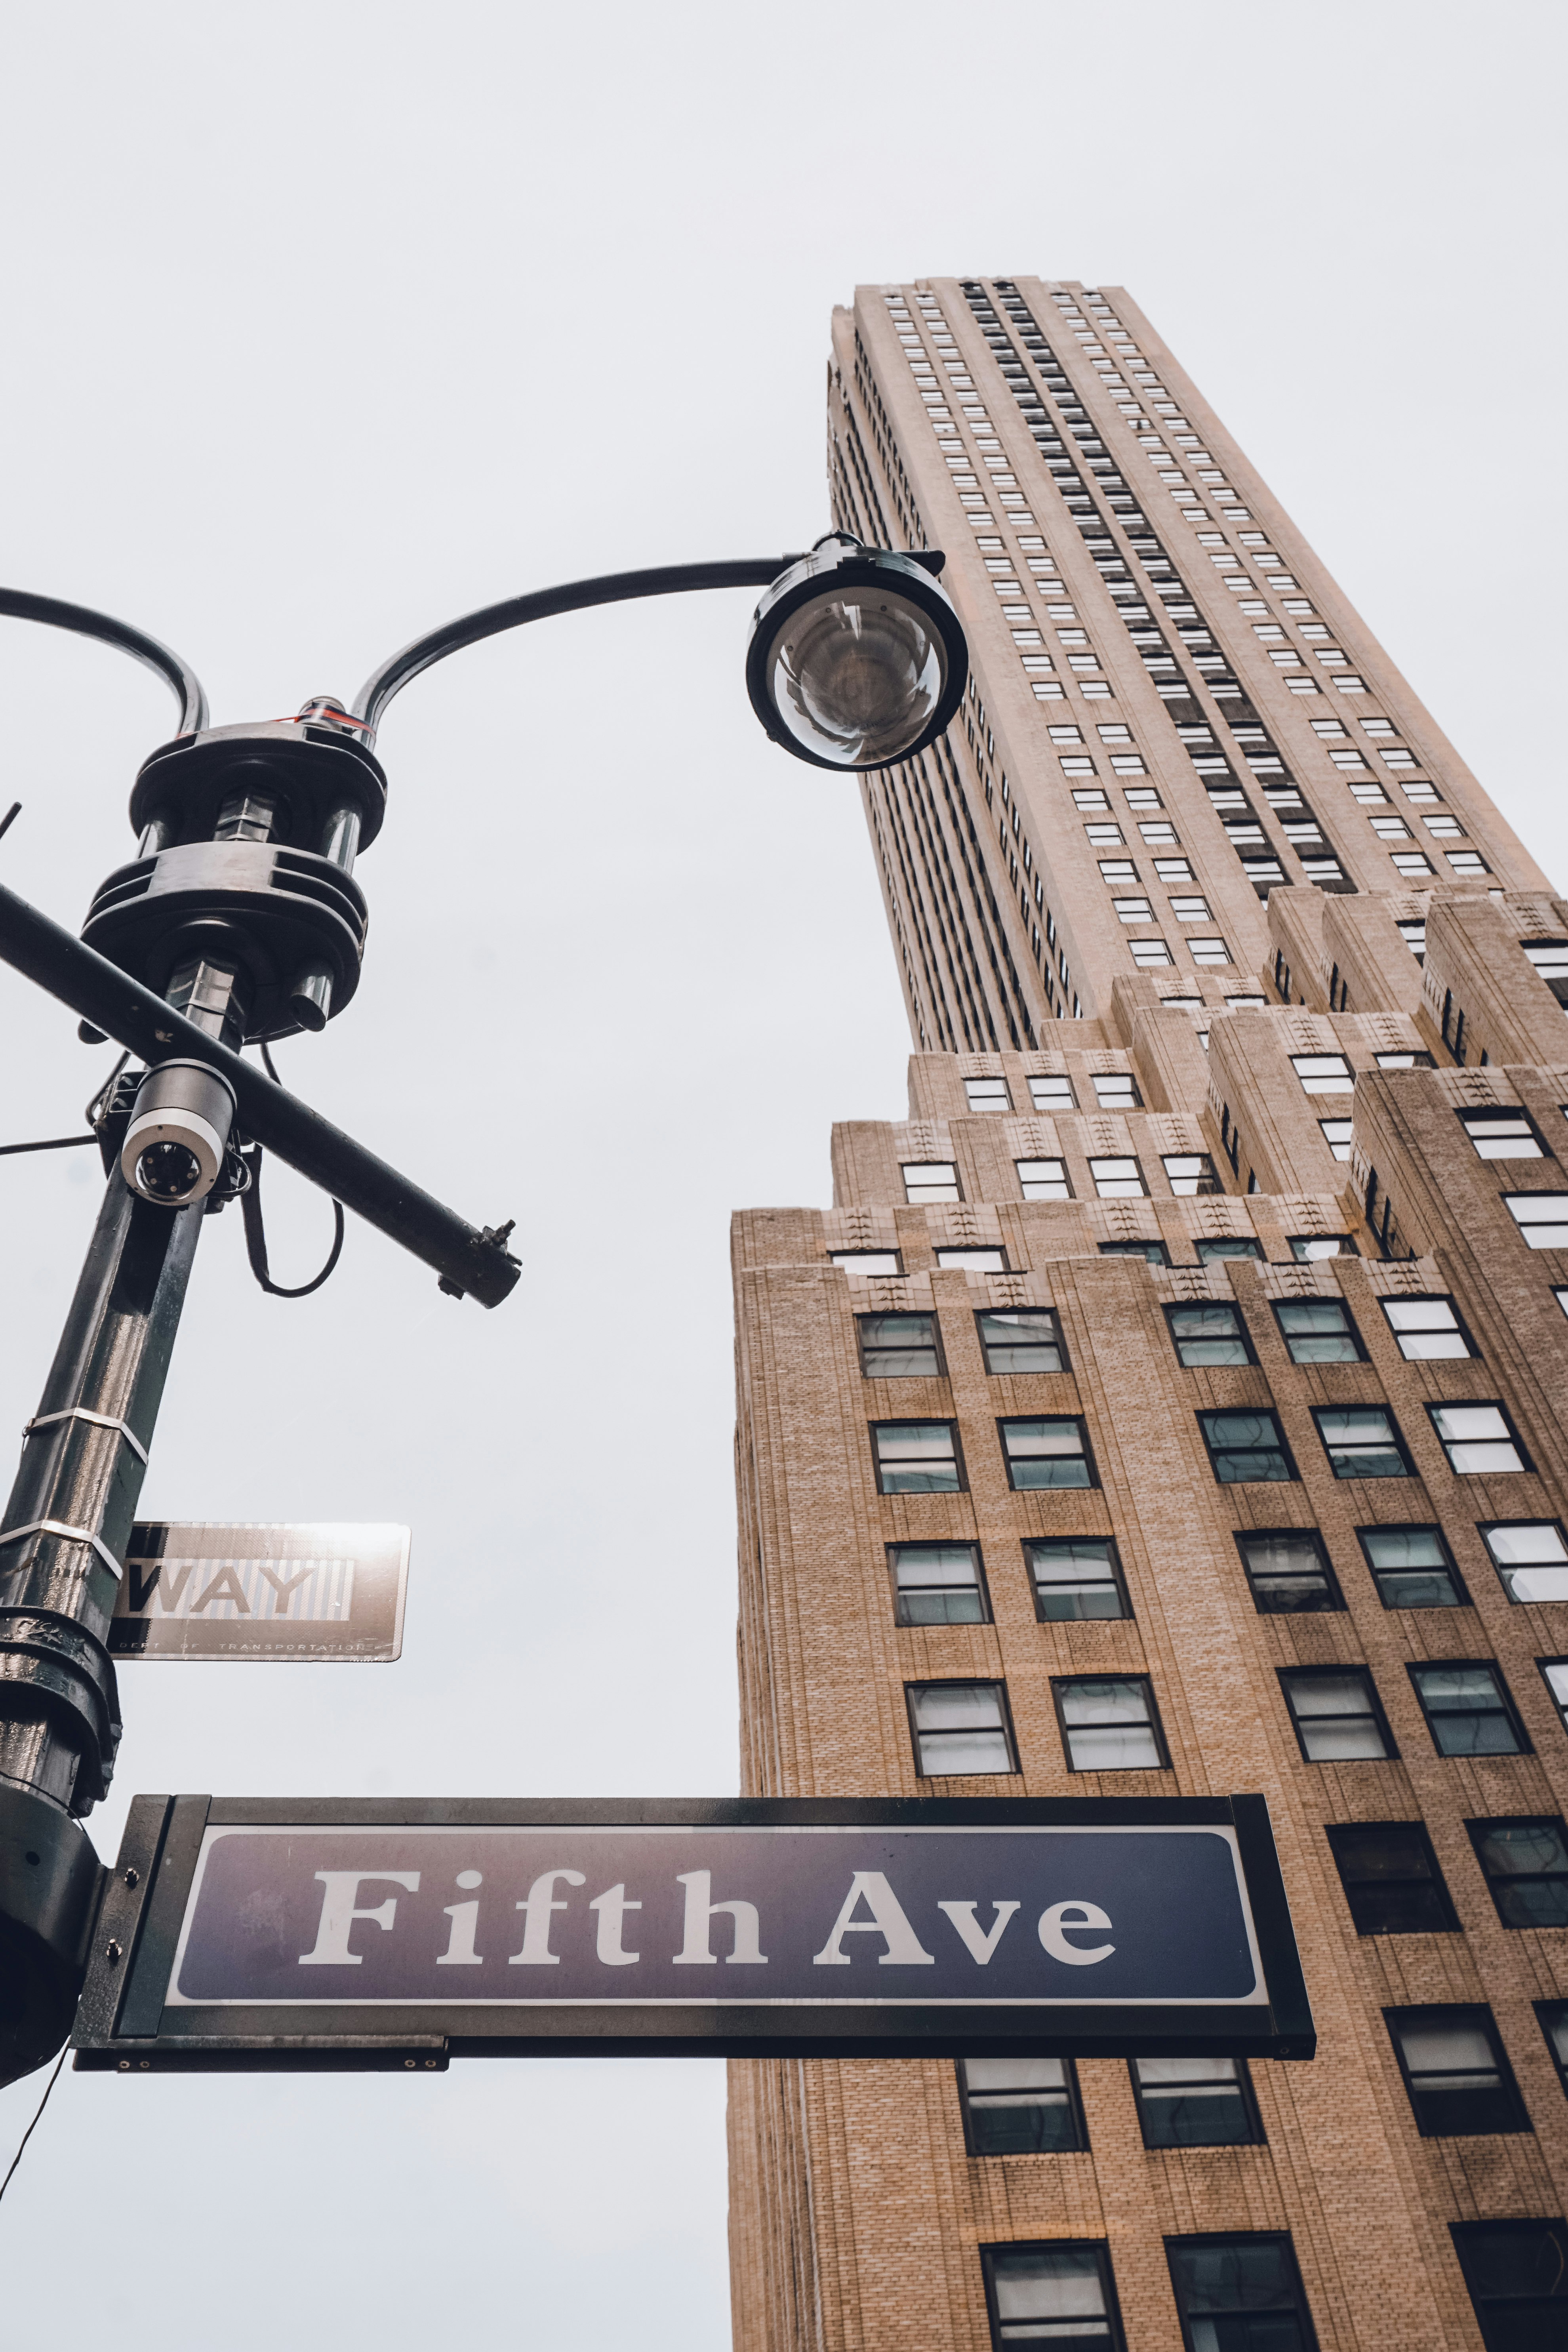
856, 657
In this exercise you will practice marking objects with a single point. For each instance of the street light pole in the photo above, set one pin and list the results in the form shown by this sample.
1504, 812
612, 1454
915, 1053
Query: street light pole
238, 921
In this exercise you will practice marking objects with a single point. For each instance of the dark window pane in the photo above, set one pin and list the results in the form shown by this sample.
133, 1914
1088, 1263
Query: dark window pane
1361, 1442
1245, 1447
1517, 2272
1318, 1331
1075, 1577
1336, 1715
1055, 2294
937, 1584
1238, 2295
1155, 1251
1526, 1867
1207, 1335
1412, 1568
1026, 1341
898, 1346
1466, 1711
1192, 2102
1391, 1880
1045, 1453
1458, 2081
1288, 1571
1216, 1253
1019, 2106
916, 1457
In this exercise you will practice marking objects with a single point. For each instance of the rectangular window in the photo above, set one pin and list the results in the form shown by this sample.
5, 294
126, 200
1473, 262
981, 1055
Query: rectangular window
937, 1584
1501, 1135
1517, 2272
1467, 1710
975, 1260
1116, 1090
1108, 1724
1541, 1217
868, 1261
959, 1728
900, 1347
1336, 1715
1318, 1331
1155, 1252
1459, 2081
1478, 1439
1189, 911
1530, 1558
1391, 1879
1209, 951
1337, 1135
1306, 1248
1239, 2294
1287, 1570
1022, 1340
917, 1457
1550, 958
1052, 1094
1076, 1577
1245, 1448
1554, 1672
987, 1094
1324, 1074
1150, 954
1020, 2106
1414, 938
1189, 1172
1428, 1329
1208, 1334
1053, 1453
1058, 2294
1524, 1861
1117, 1180
1411, 1061
1043, 1180
930, 1180
1194, 2103
1132, 910
1412, 1568
1227, 1246
1361, 1441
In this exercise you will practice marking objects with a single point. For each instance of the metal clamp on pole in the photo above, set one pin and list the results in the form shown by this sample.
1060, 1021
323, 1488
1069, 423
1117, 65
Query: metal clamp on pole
75, 1534
98, 1419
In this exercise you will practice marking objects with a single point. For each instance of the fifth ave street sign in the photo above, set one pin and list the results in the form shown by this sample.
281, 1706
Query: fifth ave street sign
377, 1933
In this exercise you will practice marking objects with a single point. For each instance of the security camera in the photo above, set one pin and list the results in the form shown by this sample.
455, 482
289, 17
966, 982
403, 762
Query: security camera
173, 1149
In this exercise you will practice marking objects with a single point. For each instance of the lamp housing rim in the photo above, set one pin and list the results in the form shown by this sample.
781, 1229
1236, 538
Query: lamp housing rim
841, 563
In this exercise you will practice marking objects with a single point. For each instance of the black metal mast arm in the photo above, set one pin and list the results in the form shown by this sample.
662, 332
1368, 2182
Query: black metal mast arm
575, 596
21, 604
475, 1263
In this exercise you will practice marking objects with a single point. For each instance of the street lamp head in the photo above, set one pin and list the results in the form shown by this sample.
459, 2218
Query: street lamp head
857, 658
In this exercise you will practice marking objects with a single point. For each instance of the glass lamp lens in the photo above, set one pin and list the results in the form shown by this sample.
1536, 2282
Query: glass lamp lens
856, 677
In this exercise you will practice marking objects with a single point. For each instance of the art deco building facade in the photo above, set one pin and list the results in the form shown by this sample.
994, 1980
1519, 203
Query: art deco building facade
1173, 1403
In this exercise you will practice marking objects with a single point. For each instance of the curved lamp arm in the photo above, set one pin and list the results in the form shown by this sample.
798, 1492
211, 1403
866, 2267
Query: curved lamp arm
22, 605
611, 588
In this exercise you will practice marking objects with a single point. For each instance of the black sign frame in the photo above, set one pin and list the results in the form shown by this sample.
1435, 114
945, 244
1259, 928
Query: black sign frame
124, 2025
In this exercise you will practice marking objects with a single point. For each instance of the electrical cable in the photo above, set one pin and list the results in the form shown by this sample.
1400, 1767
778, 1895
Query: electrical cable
250, 1213
33, 2126
50, 1143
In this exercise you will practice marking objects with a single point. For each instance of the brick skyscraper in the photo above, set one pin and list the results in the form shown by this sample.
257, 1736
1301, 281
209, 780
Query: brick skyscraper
1175, 1403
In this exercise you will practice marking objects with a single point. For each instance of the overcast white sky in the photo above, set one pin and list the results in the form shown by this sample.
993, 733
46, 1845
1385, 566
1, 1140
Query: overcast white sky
324, 322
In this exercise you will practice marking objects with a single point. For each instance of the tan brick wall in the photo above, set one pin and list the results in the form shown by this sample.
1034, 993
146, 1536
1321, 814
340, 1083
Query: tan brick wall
856, 2214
